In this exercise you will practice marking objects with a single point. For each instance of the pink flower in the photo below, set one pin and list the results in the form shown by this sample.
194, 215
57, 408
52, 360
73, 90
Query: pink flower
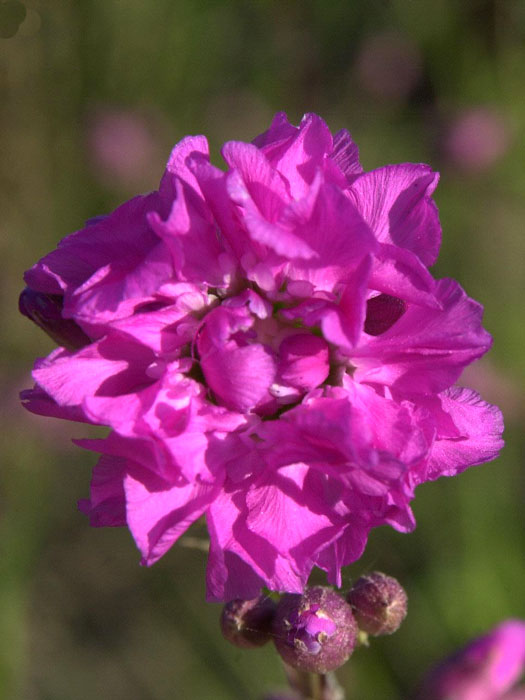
476, 139
269, 349
485, 669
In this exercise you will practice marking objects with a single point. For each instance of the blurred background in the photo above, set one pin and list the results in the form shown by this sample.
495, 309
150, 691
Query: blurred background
94, 94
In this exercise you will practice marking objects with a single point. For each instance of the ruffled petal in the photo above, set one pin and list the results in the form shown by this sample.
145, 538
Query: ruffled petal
396, 203
345, 154
158, 514
479, 426
426, 349
107, 368
198, 254
305, 153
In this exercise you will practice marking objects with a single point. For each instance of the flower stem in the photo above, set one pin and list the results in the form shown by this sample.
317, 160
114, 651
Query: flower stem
314, 686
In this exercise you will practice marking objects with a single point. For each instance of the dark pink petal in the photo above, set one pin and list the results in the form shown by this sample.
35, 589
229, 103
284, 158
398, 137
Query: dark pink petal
126, 450
107, 368
106, 506
336, 437
332, 228
268, 349
117, 261
317, 433
303, 361
173, 416
240, 377
342, 323
345, 154
287, 508
238, 372
480, 427
177, 165
279, 133
400, 273
345, 550
198, 254
213, 184
330, 225
121, 411
37, 401
393, 425
167, 329
263, 231
395, 201
241, 561
228, 576
426, 349
264, 185
117, 289
46, 311
305, 153
158, 515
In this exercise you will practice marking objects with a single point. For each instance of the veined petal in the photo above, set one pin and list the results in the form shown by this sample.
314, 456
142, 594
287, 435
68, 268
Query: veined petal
157, 516
480, 427
177, 165
106, 368
345, 154
396, 203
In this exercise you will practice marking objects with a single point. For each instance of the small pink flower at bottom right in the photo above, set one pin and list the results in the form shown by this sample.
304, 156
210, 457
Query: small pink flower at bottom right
485, 669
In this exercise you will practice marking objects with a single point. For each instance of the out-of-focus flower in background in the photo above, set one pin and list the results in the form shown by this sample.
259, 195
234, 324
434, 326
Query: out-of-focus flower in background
485, 669
476, 139
389, 66
123, 147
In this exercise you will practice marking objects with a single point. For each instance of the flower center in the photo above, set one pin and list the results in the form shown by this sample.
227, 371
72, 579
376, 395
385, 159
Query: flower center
255, 360
309, 629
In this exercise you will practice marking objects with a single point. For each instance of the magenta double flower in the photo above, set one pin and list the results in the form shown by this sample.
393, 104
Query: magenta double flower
269, 349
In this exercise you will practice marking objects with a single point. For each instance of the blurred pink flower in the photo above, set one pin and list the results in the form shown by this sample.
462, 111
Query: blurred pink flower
121, 147
485, 669
269, 349
476, 139
389, 66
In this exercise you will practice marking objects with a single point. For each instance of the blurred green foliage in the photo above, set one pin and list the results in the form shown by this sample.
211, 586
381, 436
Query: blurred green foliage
78, 617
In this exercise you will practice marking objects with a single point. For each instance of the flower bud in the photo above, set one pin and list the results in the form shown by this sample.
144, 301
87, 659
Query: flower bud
46, 311
379, 603
316, 631
248, 623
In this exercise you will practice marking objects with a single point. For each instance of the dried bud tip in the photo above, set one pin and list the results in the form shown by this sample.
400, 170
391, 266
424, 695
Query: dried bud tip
316, 631
379, 603
248, 623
